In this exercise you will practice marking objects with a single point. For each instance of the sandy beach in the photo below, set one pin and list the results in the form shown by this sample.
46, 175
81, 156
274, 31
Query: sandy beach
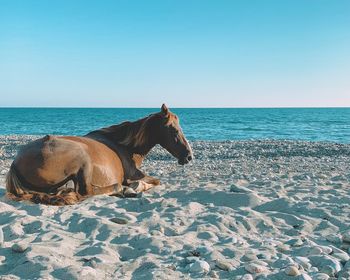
241, 210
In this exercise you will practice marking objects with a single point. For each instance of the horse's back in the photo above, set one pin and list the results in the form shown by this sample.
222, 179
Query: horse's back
49, 160
53, 159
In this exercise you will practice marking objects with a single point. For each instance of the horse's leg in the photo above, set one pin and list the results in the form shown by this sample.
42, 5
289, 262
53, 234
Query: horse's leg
138, 186
135, 188
115, 189
86, 187
83, 180
147, 179
141, 186
151, 180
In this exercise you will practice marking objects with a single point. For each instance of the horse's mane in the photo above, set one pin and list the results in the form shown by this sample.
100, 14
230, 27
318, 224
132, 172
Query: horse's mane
135, 133
130, 134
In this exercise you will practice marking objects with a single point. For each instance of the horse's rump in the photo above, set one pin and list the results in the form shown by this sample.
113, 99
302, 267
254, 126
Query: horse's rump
16, 190
45, 165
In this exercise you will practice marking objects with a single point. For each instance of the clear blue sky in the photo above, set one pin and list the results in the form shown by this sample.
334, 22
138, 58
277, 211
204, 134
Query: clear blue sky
187, 53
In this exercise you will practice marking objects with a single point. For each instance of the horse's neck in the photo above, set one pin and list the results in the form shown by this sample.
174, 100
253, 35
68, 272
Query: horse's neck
116, 135
147, 144
131, 157
138, 159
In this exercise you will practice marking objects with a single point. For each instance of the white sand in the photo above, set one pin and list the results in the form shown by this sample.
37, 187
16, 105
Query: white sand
242, 210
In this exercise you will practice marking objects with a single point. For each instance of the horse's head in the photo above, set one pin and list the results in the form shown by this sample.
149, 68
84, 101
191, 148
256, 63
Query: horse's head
171, 137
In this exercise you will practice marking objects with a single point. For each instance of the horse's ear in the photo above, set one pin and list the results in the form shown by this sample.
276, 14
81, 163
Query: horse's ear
164, 109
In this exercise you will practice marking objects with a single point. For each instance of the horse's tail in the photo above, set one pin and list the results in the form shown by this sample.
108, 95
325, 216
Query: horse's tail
18, 192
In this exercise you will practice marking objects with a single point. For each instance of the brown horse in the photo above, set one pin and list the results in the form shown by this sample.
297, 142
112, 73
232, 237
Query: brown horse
97, 163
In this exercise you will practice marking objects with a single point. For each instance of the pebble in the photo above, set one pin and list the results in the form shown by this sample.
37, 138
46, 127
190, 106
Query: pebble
260, 262
204, 250
247, 277
338, 178
200, 267
161, 230
326, 264
295, 242
326, 250
304, 276
292, 271
1, 238
239, 189
345, 246
322, 176
234, 240
214, 274
315, 251
320, 276
337, 250
19, 247
264, 256
208, 235
304, 262
334, 238
249, 257
172, 202
347, 266
344, 274
155, 233
224, 265
309, 250
120, 220
213, 256
255, 268
344, 257
212, 264
281, 263
329, 270
130, 218
93, 263
283, 248
192, 259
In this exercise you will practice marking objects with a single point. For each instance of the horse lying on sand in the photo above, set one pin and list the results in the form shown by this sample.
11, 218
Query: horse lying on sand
100, 162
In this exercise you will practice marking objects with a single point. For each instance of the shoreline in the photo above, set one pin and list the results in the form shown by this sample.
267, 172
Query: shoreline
29, 137
261, 208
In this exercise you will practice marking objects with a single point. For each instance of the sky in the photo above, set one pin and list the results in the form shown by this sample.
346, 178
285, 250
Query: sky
186, 53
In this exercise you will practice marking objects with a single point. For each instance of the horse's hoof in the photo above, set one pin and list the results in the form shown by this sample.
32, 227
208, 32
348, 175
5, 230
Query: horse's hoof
138, 186
129, 192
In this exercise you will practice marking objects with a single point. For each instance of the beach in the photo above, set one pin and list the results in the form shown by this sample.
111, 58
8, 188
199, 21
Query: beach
241, 210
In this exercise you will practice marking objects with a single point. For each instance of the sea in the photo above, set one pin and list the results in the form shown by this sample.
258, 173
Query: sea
215, 124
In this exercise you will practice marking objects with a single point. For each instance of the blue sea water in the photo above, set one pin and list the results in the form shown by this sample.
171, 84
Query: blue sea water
312, 124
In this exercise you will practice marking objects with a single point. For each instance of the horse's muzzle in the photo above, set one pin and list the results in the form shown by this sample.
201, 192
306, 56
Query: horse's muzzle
185, 160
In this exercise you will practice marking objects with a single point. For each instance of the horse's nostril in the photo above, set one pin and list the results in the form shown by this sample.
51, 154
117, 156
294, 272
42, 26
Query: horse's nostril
189, 158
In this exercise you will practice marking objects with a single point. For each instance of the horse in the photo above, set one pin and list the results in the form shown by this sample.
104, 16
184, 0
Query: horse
104, 161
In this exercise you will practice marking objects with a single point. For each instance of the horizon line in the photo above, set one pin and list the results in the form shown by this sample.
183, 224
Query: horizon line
172, 107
